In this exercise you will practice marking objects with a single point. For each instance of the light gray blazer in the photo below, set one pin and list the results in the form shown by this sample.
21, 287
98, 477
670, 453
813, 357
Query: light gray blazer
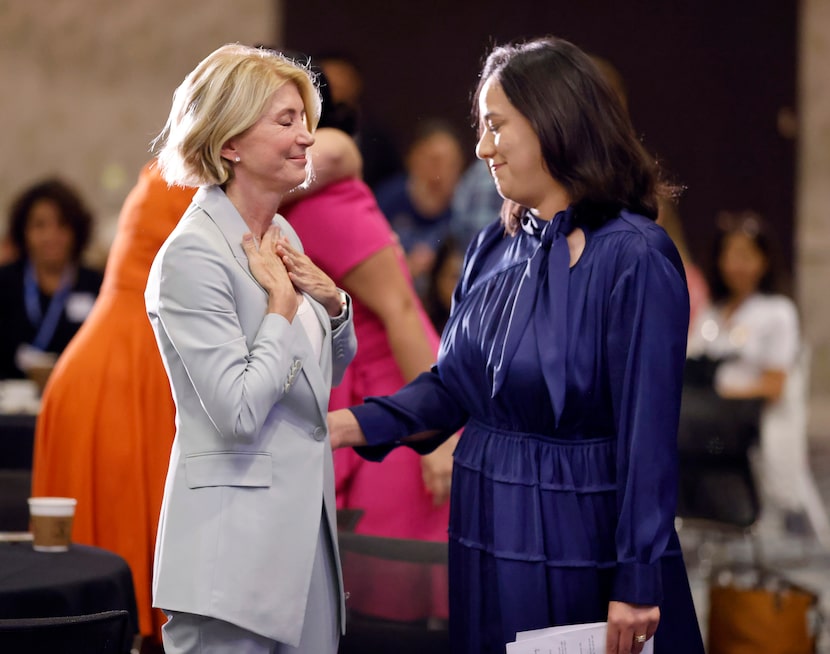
250, 470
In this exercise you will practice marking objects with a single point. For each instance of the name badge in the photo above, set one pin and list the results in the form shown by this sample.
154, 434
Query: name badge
78, 306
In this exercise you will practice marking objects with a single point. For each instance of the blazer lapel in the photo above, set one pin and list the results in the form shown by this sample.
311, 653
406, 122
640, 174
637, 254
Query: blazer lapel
224, 214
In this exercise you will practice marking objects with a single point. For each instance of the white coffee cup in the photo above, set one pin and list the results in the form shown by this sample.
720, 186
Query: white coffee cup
51, 520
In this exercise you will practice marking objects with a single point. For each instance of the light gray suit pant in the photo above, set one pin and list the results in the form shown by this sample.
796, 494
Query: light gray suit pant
187, 633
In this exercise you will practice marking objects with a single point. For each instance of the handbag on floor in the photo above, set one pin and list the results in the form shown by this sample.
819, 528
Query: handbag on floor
753, 610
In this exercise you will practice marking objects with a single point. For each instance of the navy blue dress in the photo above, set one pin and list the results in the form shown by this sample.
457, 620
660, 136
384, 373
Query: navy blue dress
565, 477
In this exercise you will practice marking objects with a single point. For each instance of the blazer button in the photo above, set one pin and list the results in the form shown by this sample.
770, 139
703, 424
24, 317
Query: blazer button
319, 433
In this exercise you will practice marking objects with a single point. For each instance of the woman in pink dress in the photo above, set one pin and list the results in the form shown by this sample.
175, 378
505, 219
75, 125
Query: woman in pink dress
345, 233
347, 236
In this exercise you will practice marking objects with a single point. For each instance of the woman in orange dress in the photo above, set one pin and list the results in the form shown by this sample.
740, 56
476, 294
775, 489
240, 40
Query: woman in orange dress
107, 417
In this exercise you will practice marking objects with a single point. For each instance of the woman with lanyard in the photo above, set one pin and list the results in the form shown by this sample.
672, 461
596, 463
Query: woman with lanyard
45, 294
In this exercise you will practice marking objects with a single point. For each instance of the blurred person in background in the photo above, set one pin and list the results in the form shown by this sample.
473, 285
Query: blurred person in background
381, 158
8, 252
107, 419
442, 280
751, 322
46, 293
345, 233
418, 203
475, 203
751, 330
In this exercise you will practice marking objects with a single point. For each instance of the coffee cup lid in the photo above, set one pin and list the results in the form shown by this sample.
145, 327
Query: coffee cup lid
52, 505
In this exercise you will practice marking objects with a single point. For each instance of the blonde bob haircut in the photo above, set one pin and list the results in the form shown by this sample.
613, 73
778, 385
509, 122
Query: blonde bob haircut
221, 98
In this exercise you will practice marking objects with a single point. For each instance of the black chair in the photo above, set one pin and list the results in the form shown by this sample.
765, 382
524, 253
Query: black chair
397, 596
347, 519
17, 435
15, 490
17, 440
99, 633
715, 441
717, 490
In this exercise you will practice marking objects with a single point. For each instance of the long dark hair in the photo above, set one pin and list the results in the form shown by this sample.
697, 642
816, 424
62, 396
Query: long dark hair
588, 143
753, 226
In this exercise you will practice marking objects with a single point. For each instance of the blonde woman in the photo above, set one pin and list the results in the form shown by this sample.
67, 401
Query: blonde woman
252, 335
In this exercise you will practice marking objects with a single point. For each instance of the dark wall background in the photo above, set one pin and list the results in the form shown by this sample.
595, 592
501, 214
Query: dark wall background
707, 80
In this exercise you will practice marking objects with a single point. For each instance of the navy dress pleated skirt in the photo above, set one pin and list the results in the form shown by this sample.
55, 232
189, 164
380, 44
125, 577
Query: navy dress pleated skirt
567, 382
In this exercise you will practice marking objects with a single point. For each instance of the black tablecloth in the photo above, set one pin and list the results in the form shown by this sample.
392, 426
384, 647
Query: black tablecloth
17, 438
46, 584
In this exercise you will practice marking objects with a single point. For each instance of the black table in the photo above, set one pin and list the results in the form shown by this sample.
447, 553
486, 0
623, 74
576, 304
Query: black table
78, 582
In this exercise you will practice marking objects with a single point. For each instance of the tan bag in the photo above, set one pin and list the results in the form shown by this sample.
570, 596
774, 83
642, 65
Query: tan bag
756, 611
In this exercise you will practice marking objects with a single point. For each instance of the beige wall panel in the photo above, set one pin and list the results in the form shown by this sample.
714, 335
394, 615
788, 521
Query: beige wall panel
87, 84
813, 203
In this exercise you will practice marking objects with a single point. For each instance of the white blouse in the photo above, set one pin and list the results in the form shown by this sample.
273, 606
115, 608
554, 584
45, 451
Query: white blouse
762, 334
312, 326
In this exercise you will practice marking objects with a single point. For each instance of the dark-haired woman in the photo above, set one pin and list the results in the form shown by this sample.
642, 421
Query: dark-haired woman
563, 357
752, 327
749, 320
46, 294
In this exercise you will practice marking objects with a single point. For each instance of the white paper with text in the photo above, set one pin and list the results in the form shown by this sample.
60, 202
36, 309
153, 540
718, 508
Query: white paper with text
586, 638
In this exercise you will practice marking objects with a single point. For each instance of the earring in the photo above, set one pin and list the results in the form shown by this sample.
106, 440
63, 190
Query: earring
238, 159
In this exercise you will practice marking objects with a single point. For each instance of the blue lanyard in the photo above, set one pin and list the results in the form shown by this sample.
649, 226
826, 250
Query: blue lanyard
31, 295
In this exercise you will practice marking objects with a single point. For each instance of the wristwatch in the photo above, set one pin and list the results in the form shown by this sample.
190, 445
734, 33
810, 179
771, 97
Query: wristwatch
341, 317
